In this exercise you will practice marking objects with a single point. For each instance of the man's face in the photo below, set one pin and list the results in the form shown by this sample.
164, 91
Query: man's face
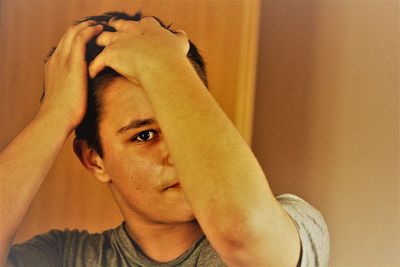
136, 156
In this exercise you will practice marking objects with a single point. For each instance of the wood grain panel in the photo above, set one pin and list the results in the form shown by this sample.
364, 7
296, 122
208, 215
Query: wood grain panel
225, 31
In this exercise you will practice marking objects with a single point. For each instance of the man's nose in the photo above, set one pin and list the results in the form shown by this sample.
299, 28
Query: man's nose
167, 158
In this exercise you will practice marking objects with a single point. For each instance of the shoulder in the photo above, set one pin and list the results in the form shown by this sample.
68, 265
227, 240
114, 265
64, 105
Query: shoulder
312, 229
82, 238
56, 246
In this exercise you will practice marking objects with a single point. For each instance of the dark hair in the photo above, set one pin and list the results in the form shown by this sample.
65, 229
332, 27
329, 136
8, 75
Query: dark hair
88, 129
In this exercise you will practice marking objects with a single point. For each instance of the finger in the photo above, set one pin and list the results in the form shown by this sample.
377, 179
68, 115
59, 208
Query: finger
123, 25
82, 38
99, 63
180, 33
106, 38
150, 20
68, 37
118, 24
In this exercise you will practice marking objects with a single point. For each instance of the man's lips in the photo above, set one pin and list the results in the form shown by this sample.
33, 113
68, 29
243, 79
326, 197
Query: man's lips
174, 185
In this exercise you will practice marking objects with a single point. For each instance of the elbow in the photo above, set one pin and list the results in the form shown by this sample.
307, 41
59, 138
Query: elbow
234, 238
258, 239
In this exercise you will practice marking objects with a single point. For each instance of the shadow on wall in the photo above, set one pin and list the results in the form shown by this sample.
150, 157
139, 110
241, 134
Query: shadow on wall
326, 123
284, 95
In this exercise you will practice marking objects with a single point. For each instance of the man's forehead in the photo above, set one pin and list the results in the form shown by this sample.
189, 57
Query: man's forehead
122, 84
121, 92
124, 101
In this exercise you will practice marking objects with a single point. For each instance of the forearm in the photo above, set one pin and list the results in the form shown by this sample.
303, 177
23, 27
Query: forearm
212, 158
24, 163
222, 179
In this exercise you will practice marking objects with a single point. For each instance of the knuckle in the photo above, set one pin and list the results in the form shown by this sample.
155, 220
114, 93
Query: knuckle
181, 32
150, 19
58, 58
126, 24
70, 30
88, 22
80, 37
118, 22
103, 36
74, 29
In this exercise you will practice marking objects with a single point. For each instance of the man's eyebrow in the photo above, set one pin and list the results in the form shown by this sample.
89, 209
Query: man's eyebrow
136, 124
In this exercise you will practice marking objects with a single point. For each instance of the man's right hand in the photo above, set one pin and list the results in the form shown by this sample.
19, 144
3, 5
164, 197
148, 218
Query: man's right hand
66, 75
25, 162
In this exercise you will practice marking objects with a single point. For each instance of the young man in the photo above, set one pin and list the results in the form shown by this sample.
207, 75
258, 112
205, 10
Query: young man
189, 188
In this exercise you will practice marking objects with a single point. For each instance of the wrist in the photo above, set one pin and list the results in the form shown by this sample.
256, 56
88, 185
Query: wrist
56, 120
168, 68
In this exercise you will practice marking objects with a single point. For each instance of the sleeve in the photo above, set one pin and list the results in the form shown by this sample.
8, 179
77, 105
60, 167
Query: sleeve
312, 230
42, 250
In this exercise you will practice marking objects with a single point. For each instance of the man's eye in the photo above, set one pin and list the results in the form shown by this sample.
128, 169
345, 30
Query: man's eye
145, 136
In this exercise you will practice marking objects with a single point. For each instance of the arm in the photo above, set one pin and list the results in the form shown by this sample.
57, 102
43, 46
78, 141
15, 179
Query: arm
222, 179
24, 163
220, 176
23, 166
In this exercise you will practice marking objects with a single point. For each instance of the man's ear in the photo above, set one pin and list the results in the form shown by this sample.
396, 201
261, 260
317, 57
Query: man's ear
91, 160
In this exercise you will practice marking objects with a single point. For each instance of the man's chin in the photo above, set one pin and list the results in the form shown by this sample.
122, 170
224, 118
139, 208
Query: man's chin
183, 215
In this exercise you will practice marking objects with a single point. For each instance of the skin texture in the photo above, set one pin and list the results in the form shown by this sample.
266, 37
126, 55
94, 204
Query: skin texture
221, 182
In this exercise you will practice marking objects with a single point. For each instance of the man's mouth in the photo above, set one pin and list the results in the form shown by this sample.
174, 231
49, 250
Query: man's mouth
173, 186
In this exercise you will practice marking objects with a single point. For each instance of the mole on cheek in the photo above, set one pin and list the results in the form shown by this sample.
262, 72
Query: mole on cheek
135, 186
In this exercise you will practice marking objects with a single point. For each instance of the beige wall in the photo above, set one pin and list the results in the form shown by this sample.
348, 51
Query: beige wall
326, 124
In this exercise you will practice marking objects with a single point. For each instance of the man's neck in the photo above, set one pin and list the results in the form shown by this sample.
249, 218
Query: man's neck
163, 242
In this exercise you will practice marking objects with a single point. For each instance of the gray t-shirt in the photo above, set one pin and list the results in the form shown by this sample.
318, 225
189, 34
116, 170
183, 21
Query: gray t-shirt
115, 248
